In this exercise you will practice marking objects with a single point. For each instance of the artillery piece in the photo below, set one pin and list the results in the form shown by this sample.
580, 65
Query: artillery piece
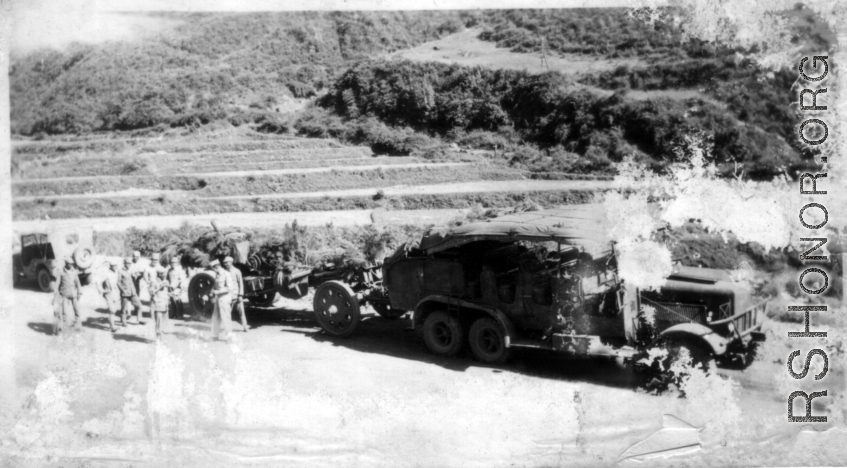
340, 291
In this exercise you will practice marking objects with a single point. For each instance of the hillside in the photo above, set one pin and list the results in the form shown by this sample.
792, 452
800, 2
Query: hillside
635, 87
208, 67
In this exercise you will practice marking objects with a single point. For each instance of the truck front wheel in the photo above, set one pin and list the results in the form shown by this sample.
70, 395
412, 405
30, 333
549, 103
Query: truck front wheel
443, 334
44, 280
684, 355
488, 341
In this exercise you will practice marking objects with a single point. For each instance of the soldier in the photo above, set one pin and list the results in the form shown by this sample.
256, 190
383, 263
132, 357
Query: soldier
222, 314
238, 292
108, 288
151, 272
138, 272
68, 290
159, 295
126, 286
176, 279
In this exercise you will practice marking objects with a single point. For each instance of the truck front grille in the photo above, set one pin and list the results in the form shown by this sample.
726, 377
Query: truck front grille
674, 312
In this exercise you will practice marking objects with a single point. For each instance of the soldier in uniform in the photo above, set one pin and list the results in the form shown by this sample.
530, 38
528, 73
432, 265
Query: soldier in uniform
68, 291
159, 295
221, 295
176, 279
137, 270
151, 272
126, 287
238, 293
108, 287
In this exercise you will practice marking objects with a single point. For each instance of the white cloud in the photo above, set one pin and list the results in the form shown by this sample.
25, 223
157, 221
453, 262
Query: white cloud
56, 24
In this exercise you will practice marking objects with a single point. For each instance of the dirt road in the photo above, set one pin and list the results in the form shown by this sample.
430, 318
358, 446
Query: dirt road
287, 394
481, 186
465, 48
248, 220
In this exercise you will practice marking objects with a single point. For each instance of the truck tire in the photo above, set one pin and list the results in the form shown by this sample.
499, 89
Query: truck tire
676, 345
83, 257
488, 341
45, 279
336, 308
443, 334
200, 293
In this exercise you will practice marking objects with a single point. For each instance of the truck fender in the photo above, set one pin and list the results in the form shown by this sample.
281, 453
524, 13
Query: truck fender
496, 314
715, 341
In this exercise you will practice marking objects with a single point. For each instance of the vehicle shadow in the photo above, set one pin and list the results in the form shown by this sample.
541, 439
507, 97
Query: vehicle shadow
376, 334
28, 285
260, 317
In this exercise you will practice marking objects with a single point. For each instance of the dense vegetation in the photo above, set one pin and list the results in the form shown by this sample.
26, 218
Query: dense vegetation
594, 31
657, 34
389, 104
239, 67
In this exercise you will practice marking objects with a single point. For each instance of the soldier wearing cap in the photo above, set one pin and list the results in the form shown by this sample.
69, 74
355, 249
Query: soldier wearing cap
176, 279
108, 287
127, 289
137, 271
68, 291
222, 299
152, 270
238, 292
159, 295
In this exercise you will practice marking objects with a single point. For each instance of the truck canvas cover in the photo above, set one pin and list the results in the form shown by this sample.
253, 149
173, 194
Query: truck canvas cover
581, 226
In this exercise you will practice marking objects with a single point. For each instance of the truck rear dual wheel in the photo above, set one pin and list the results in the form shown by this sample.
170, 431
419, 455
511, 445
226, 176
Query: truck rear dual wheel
488, 341
443, 334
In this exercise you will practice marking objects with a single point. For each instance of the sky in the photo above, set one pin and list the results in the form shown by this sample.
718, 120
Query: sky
57, 23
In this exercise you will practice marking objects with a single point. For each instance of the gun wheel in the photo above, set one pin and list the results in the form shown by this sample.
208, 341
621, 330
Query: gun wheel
336, 308
200, 293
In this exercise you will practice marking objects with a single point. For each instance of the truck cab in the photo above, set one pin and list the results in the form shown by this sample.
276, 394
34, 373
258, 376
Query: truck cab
41, 256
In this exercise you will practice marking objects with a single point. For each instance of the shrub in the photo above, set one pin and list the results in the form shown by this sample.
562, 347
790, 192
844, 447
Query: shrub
110, 243
270, 123
133, 166
301, 90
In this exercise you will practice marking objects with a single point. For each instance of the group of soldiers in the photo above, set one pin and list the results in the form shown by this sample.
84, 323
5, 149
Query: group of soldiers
121, 287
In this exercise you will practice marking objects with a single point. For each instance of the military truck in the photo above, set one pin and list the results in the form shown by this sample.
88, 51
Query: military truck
41, 256
548, 280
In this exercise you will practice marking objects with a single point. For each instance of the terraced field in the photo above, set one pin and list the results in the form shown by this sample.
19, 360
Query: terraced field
246, 175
